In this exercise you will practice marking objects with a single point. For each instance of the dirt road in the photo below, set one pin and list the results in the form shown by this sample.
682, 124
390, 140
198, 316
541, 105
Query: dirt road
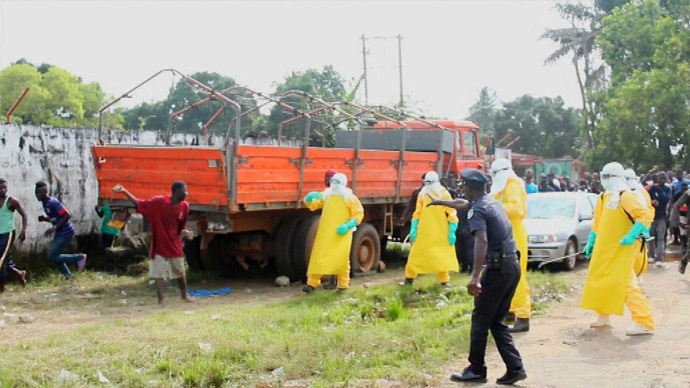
562, 351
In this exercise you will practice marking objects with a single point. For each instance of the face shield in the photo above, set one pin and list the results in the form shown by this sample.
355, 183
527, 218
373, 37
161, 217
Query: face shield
430, 178
630, 179
499, 165
605, 181
338, 182
611, 176
335, 184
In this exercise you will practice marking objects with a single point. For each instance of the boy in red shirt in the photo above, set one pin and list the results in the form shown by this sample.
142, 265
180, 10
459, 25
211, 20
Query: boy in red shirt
167, 216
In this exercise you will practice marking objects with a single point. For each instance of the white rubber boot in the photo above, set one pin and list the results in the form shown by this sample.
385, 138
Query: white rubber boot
638, 330
602, 321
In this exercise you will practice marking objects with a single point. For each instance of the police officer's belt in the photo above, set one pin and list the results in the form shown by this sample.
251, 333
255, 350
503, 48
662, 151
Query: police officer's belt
494, 261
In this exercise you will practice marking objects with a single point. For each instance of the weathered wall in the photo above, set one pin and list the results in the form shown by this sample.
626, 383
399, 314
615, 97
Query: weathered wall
62, 158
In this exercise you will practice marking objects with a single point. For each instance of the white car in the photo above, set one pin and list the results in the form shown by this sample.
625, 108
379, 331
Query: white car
558, 224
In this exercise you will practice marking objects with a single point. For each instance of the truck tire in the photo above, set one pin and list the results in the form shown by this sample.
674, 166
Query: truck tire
366, 250
284, 241
192, 254
302, 244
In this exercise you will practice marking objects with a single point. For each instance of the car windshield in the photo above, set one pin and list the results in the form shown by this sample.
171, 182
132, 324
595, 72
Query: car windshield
551, 207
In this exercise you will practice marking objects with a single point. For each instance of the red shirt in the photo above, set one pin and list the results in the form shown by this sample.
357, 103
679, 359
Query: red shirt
166, 221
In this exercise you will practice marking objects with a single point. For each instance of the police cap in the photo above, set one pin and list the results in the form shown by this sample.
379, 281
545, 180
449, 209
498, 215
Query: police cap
474, 178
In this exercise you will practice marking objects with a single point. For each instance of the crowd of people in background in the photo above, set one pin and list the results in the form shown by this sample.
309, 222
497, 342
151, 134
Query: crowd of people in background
549, 183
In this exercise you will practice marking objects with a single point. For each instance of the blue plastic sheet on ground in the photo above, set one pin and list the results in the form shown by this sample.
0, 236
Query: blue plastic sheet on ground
202, 293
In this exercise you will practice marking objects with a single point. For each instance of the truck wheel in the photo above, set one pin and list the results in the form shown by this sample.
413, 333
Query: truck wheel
284, 241
302, 244
192, 254
366, 250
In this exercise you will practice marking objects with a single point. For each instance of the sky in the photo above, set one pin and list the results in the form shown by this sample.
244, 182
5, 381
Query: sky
450, 49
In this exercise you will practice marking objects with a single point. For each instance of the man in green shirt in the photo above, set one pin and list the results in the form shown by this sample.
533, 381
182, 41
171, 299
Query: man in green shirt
9, 206
108, 233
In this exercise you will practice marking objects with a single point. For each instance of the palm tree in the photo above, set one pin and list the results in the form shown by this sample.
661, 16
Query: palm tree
578, 40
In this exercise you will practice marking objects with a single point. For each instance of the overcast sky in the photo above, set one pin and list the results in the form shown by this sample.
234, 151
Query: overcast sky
451, 49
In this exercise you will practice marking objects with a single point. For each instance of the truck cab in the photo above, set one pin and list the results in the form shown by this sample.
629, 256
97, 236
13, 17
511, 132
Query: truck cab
464, 150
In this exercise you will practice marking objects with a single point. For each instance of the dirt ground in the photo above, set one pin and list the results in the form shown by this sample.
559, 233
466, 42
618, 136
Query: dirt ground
562, 351
559, 351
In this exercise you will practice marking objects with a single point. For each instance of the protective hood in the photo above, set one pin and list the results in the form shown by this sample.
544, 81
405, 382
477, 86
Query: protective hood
501, 170
432, 185
635, 186
338, 187
612, 178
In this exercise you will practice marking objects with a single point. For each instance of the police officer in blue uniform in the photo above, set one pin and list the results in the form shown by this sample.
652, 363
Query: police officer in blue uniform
493, 288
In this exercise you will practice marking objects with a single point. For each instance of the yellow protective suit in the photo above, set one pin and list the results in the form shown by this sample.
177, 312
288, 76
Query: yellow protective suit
430, 251
513, 199
610, 279
330, 254
640, 252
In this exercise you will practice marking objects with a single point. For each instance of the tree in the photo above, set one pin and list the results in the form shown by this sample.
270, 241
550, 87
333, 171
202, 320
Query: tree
579, 41
156, 116
482, 112
545, 126
326, 84
55, 97
645, 116
67, 102
13, 80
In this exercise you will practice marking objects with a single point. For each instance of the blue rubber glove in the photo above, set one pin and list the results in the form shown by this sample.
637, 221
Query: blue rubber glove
636, 230
590, 244
312, 196
452, 227
413, 230
344, 228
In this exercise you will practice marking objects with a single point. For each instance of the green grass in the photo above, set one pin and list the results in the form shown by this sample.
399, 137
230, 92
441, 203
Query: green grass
329, 339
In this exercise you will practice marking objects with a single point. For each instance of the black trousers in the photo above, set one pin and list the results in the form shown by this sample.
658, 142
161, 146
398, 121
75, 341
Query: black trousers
490, 307
106, 241
6, 263
464, 250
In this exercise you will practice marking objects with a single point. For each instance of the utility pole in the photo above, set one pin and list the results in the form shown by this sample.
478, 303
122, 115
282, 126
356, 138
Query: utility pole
364, 60
401, 101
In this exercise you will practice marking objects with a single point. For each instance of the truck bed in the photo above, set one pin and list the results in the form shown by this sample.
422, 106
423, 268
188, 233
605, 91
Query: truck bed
267, 177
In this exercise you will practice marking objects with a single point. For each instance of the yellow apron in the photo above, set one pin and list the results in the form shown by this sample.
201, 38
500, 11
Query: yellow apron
513, 199
330, 254
430, 251
640, 266
610, 266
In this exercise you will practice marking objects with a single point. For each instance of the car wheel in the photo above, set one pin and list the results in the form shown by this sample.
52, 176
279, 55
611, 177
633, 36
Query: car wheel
570, 249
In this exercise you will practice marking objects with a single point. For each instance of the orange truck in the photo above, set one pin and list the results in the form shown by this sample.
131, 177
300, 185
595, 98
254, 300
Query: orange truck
246, 200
